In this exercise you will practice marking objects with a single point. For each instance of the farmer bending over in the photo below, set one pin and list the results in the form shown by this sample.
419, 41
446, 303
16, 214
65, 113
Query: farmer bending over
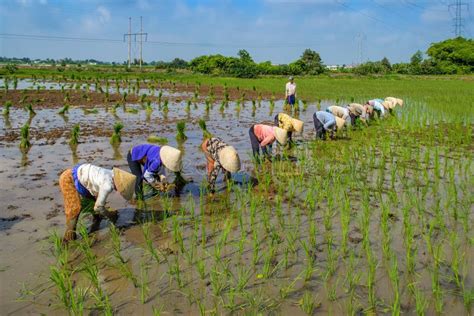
290, 91
86, 181
289, 124
324, 122
377, 106
359, 112
220, 157
339, 111
153, 159
262, 136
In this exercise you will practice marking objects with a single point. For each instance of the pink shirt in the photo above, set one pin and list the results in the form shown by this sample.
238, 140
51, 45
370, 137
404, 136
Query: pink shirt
264, 133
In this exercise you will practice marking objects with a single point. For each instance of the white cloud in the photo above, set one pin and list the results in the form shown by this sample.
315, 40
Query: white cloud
104, 14
97, 20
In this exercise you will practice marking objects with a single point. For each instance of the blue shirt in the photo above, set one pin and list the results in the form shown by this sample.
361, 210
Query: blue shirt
327, 119
153, 164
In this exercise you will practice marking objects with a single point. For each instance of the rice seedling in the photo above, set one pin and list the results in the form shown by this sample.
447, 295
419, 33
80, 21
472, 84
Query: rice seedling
64, 109
25, 137
29, 108
144, 283
74, 138
308, 303
6, 108
116, 136
203, 127
180, 128
152, 251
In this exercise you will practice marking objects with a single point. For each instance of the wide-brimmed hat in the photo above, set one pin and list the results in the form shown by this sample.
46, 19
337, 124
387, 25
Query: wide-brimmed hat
387, 105
394, 101
297, 125
171, 158
229, 159
281, 135
290, 78
356, 109
124, 182
340, 123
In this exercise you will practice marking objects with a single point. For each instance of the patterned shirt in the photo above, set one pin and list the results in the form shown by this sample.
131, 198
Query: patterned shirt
214, 146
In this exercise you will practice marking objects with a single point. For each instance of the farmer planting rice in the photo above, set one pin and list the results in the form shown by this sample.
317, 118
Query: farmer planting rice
359, 112
290, 91
339, 111
86, 181
394, 102
153, 158
263, 136
324, 122
289, 124
378, 106
220, 157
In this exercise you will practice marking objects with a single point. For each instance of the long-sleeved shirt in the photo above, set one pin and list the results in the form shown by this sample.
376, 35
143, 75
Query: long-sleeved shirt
98, 181
264, 133
284, 121
339, 111
213, 146
327, 119
377, 105
290, 89
152, 167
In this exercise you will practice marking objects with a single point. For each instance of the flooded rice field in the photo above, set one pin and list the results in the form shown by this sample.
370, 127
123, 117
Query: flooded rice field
377, 221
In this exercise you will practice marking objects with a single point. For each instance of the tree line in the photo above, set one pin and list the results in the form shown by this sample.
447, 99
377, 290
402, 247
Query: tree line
452, 56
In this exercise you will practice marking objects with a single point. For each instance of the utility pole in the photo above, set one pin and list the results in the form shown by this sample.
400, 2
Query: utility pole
458, 20
129, 35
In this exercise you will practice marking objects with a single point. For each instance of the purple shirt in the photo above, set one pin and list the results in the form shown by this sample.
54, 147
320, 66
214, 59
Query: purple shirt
152, 153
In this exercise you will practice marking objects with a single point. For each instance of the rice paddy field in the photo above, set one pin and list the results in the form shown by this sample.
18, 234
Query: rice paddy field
377, 221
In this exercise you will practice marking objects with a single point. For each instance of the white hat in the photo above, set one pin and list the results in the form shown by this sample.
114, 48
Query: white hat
394, 101
281, 135
297, 125
291, 78
124, 182
229, 158
340, 123
171, 158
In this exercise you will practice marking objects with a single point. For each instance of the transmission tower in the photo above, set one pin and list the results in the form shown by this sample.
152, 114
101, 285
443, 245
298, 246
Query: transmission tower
360, 46
129, 36
458, 6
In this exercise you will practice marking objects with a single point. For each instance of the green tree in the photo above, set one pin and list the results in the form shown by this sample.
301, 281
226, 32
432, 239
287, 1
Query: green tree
386, 64
310, 62
245, 56
416, 59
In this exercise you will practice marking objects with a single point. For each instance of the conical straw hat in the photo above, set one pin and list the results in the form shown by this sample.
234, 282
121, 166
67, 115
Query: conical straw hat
387, 105
281, 135
171, 158
340, 123
229, 159
297, 125
125, 183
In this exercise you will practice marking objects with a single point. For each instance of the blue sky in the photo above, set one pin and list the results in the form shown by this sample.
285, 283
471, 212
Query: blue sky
275, 30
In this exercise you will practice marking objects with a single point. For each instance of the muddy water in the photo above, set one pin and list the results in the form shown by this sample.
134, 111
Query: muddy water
31, 203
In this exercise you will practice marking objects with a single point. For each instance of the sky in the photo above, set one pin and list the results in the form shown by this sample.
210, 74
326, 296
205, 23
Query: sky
341, 31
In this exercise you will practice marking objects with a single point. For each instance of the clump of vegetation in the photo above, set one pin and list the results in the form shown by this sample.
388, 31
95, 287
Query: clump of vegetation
64, 109
205, 133
157, 140
25, 136
74, 140
29, 108
116, 136
181, 127
6, 108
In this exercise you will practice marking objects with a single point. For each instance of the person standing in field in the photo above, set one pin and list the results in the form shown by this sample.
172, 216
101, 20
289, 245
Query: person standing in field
89, 182
290, 91
289, 124
153, 159
220, 157
262, 136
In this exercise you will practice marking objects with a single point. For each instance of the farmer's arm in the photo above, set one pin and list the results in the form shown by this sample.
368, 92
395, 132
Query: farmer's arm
329, 124
106, 187
154, 173
267, 140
